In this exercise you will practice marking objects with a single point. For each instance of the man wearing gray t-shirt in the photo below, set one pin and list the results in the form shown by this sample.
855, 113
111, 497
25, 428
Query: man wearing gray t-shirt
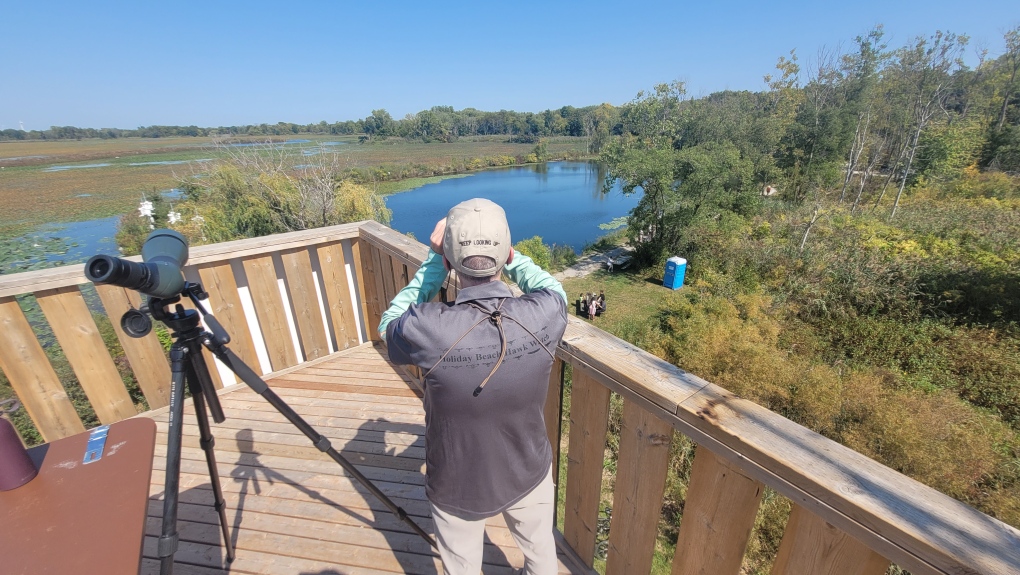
486, 360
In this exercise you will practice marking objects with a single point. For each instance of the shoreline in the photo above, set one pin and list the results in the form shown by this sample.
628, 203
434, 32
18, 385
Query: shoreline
592, 262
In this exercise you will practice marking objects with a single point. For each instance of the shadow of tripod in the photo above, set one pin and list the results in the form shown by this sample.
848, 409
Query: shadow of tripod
250, 472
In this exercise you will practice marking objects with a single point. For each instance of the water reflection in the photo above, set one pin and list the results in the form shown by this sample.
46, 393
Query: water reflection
169, 162
78, 167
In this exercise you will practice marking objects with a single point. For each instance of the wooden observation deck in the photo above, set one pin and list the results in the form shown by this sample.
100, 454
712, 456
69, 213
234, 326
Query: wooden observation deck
297, 306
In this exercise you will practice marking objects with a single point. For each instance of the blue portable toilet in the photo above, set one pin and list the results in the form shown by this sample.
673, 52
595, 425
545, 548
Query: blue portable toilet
676, 268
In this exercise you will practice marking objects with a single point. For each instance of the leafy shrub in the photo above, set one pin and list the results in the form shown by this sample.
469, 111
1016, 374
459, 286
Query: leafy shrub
991, 184
985, 370
242, 199
536, 250
562, 257
738, 342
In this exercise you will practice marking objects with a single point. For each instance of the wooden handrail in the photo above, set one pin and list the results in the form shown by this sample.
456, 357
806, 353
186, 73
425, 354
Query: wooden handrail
74, 274
907, 522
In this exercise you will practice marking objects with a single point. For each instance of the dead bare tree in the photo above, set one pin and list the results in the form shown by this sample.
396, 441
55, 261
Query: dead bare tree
897, 160
874, 154
814, 218
926, 71
856, 147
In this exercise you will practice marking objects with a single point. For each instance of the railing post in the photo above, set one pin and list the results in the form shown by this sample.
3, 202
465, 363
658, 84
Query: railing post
297, 267
361, 250
400, 275
373, 285
811, 545
640, 481
269, 310
81, 343
719, 515
589, 421
553, 405
225, 305
32, 376
338, 295
384, 265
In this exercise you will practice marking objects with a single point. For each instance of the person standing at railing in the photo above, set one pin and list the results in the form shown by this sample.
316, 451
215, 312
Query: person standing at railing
486, 360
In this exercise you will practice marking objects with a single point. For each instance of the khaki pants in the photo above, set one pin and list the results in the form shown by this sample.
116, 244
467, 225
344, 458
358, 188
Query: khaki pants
530, 521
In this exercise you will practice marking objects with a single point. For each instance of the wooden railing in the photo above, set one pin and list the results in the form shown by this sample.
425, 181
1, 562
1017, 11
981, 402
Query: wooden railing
294, 297
284, 299
851, 515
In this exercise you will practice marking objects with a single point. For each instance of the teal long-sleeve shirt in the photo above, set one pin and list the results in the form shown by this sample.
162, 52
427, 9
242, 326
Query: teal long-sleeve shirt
430, 277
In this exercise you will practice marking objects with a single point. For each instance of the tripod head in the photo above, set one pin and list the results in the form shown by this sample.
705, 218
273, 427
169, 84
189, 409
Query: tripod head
137, 322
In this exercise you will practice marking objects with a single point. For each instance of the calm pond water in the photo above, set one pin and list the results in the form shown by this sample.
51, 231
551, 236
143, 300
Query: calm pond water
561, 201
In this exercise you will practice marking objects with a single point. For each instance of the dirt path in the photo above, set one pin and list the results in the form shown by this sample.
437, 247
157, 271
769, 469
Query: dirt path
592, 262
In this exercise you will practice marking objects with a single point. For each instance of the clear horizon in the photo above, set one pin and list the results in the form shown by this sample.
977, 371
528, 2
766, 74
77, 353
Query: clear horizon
120, 65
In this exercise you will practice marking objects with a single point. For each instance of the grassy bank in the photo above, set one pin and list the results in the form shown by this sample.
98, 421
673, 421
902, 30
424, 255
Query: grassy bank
397, 186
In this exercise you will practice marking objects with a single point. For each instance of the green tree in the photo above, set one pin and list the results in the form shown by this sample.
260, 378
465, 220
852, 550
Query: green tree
430, 126
946, 148
380, 123
656, 116
1011, 63
598, 125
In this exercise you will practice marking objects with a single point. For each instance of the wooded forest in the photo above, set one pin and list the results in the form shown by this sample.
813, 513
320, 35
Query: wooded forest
853, 233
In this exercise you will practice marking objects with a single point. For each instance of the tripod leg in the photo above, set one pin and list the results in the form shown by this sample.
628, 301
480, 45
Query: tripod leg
196, 370
321, 442
171, 485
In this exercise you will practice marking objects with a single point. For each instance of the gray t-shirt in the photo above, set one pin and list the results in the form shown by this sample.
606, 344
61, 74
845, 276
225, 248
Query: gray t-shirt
482, 453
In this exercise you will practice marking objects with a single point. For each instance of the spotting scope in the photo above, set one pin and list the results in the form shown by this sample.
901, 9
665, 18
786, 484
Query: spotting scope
164, 253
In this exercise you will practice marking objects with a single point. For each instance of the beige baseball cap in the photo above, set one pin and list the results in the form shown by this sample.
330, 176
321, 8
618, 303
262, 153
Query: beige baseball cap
477, 227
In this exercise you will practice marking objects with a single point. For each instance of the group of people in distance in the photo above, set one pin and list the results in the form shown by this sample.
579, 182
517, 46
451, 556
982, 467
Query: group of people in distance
591, 305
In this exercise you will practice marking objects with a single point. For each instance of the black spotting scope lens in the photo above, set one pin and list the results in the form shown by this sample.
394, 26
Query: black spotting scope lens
104, 269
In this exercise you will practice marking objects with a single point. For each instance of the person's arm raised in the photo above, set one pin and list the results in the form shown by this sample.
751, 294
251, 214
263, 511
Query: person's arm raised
529, 277
424, 285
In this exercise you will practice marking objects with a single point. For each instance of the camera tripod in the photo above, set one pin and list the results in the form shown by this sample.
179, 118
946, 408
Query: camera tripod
189, 367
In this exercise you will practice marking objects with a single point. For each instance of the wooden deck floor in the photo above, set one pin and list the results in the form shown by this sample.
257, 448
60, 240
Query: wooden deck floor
292, 510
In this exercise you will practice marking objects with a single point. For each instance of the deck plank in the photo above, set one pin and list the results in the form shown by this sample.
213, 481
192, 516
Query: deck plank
293, 510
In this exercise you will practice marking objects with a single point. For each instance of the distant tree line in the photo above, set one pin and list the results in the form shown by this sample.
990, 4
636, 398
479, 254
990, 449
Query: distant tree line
436, 124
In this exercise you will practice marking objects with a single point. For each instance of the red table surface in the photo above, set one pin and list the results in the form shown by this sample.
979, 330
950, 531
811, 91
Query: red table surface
77, 518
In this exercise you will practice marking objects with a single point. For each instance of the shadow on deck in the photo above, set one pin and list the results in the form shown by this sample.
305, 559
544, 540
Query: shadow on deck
291, 509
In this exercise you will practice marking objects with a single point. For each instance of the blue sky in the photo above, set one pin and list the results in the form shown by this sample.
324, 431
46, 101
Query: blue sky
213, 63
